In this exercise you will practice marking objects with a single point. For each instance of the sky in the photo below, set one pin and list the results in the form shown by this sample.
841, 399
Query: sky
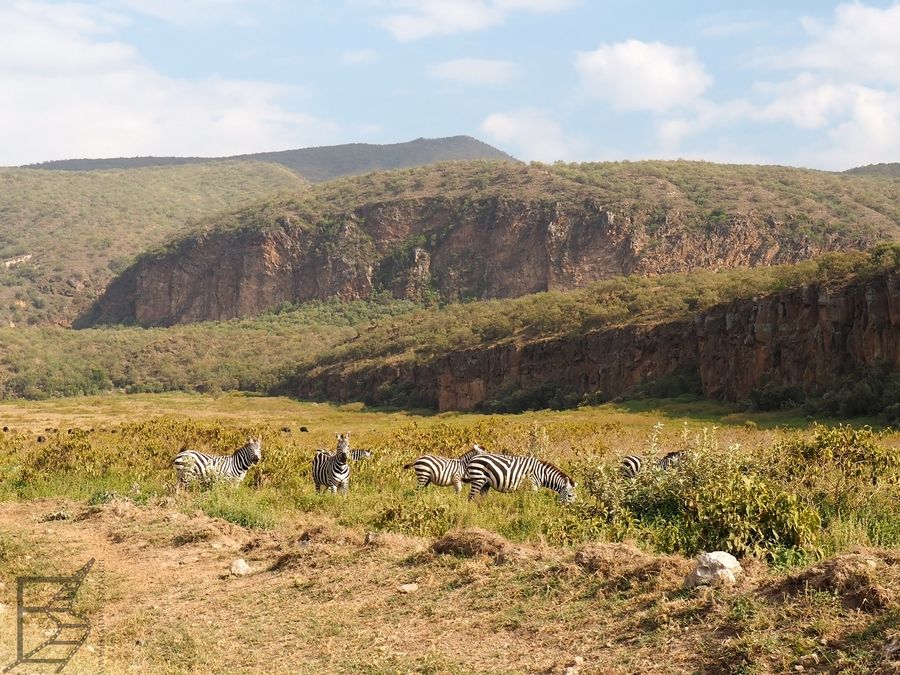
793, 82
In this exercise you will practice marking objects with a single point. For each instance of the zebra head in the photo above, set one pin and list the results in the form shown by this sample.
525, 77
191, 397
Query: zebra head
254, 445
342, 452
567, 492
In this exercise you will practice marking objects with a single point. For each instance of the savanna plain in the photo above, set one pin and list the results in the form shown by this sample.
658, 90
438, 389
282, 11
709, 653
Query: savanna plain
390, 579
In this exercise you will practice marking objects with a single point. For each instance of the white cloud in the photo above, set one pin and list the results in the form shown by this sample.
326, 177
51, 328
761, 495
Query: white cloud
475, 71
532, 135
730, 29
635, 75
863, 43
193, 13
356, 56
71, 90
419, 19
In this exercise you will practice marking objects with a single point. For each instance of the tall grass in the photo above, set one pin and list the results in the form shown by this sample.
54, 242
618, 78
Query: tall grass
798, 497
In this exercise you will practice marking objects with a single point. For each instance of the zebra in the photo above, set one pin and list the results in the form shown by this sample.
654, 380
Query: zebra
332, 470
506, 473
443, 471
191, 465
632, 464
359, 454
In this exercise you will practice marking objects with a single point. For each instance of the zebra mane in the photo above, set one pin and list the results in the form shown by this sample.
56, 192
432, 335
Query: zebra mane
551, 465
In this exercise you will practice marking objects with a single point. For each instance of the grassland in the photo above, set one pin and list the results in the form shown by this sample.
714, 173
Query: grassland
82, 228
550, 584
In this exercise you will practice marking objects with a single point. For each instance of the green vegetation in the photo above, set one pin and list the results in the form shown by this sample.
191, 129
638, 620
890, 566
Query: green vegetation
81, 229
804, 496
249, 354
275, 351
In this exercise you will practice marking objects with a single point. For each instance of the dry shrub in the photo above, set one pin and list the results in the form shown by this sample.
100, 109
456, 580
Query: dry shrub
471, 542
868, 581
193, 536
625, 561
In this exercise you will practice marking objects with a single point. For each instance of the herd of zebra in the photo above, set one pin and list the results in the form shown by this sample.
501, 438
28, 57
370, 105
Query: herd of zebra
477, 467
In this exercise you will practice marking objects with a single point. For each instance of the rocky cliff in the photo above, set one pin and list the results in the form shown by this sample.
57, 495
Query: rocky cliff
446, 247
801, 337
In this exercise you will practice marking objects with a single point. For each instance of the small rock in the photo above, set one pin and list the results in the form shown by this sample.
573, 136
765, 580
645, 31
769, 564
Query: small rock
240, 567
799, 668
2, 608
570, 670
716, 569
408, 588
138, 642
578, 660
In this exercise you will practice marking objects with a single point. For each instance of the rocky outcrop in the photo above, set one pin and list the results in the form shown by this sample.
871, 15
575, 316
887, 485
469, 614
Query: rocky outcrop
438, 247
800, 337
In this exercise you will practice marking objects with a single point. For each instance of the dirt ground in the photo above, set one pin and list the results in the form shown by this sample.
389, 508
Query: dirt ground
322, 598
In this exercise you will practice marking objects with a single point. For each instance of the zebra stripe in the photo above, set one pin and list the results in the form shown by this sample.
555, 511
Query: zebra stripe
632, 464
332, 470
506, 473
359, 454
191, 465
443, 471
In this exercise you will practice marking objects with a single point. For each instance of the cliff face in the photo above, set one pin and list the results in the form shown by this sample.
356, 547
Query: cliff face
454, 248
801, 337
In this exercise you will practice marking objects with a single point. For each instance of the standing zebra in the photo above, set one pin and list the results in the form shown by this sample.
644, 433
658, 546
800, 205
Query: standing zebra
191, 465
632, 464
359, 454
506, 473
443, 470
331, 470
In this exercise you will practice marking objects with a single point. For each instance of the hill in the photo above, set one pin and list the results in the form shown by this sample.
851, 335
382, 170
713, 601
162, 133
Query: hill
64, 235
321, 163
461, 231
889, 170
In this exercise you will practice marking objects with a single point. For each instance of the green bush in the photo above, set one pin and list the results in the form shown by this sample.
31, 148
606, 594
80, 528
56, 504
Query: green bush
709, 501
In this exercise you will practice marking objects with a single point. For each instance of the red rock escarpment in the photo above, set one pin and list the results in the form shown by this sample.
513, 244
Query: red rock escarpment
413, 248
801, 337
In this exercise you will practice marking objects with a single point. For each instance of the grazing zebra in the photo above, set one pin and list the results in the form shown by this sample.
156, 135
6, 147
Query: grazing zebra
359, 454
631, 465
506, 473
443, 471
331, 470
191, 465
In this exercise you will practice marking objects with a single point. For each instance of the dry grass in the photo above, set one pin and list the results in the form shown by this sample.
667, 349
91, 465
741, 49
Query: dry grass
169, 605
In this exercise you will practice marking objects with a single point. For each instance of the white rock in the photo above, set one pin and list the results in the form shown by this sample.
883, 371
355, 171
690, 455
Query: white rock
408, 588
240, 567
714, 569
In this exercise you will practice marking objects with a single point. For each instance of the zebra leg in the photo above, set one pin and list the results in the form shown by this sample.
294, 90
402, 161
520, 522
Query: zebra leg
332, 489
345, 486
474, 490
457, 484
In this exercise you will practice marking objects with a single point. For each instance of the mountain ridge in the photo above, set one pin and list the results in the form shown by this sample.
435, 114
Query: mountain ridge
483, 230
319, 163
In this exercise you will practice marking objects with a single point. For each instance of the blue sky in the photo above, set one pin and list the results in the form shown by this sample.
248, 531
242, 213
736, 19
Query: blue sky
801, 83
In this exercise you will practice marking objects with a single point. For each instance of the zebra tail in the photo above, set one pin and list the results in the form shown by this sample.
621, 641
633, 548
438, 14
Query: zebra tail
410, 465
